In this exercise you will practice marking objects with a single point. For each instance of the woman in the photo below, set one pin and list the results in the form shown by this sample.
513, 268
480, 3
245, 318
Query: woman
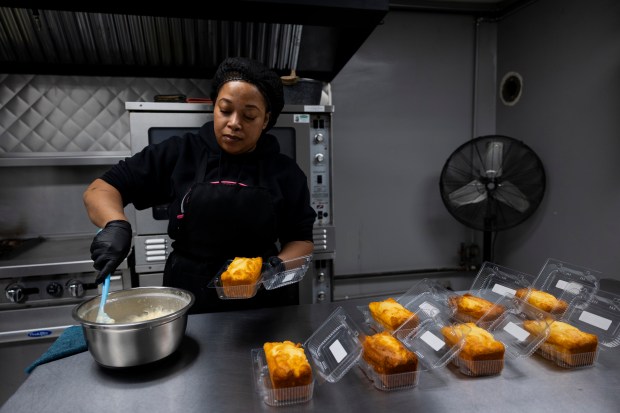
231, 193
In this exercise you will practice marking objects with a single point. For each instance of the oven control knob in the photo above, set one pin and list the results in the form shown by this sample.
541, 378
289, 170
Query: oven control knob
15, 293
76, 288
321, 296
318, 138
319, 157
54, 289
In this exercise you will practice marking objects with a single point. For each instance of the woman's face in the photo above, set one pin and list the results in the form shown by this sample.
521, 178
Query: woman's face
239, 117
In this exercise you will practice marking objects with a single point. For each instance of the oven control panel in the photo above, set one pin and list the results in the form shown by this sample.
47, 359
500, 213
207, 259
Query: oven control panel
55, 289
320, 167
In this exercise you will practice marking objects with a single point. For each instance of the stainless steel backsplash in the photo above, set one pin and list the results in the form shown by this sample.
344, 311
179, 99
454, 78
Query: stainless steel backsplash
44, 117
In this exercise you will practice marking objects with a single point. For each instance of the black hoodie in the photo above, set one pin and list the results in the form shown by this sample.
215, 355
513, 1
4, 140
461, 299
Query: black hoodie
162, 173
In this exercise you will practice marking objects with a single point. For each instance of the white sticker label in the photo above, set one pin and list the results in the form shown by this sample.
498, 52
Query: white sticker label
314, 108
289, 277
429, 309
571, 287
516, 331
301, 118
432, 340
595, 320
338, 351
502, 290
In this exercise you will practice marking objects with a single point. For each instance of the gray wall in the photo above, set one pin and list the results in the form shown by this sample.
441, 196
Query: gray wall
404, 103
568, 52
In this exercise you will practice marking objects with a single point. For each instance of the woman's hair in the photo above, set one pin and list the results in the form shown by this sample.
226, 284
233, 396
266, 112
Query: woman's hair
254, 72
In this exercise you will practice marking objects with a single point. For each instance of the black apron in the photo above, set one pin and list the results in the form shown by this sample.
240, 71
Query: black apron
219, 221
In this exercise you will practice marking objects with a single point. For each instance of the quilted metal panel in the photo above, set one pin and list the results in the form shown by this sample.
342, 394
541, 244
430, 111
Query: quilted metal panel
78, 115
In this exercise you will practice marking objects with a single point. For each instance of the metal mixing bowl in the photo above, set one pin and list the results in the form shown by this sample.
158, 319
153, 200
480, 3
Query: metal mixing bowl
135, 338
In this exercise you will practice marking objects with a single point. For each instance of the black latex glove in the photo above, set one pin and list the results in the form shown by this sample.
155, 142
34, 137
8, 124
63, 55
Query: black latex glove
110, 247
276, 265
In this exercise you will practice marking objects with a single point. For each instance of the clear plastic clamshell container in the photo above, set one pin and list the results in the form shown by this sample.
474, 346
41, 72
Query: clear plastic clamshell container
597, 314
292, 271
235, 292
425, 299
289, 272
510, 329
429, 343
285, 396
567, 282
492, 283
335, 347
332, 350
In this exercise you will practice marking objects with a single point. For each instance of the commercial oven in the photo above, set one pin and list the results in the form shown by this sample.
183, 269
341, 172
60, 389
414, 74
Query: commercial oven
304, 133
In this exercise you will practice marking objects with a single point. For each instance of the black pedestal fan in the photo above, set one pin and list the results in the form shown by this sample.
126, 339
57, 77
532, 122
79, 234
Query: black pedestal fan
492, 183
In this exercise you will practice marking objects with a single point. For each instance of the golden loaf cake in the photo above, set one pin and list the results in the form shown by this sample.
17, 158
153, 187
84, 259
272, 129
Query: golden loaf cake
391, 314
288, 365
565, 343
240, 278
472, 308
543, 300
481, 353
387, 355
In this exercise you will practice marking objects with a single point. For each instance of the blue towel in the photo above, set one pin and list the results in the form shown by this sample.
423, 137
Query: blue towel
70, 342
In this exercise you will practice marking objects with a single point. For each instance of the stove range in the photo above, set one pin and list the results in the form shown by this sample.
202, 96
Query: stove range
51, 271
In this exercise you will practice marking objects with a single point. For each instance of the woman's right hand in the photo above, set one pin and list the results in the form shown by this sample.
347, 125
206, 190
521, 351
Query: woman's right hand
110, 247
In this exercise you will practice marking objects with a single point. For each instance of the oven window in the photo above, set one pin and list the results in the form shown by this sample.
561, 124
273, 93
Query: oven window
158, 135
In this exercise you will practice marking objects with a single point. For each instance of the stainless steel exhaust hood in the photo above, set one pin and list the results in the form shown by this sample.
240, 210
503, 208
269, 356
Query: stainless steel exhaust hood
183, 39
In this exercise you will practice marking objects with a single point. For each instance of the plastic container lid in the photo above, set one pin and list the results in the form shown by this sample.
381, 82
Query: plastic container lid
567, 281
335, 347
292, 271
508, 328
597, 314
428, 342
427, 298
494, 281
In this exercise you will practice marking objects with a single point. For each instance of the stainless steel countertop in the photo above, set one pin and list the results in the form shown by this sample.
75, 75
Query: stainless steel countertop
212, 372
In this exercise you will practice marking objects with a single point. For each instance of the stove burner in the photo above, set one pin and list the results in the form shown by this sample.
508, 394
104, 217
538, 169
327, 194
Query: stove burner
11, 248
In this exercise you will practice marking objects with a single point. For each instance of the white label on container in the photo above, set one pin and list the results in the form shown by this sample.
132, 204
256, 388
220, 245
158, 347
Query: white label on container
289, 277
432, 340
516, 331
429, 309
301, 118
338, 351
571, 287
595, 320
502, 290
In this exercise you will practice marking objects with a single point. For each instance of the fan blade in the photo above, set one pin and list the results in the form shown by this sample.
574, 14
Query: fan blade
512, 196
471, 193
493, 158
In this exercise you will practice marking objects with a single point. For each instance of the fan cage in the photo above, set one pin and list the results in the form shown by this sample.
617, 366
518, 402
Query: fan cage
502, 179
